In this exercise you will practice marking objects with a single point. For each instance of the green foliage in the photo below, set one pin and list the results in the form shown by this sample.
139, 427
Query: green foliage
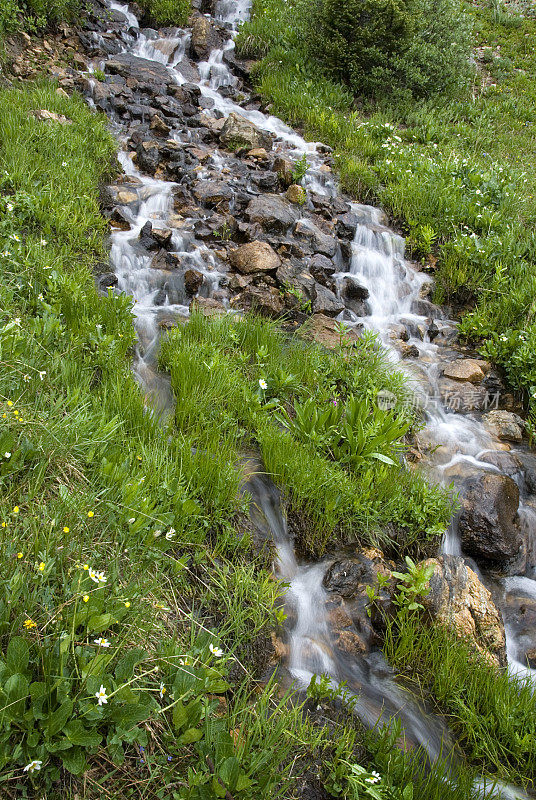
413, 584
166, 12
332, 454
33, 14
491, 712
299, 170
397, 46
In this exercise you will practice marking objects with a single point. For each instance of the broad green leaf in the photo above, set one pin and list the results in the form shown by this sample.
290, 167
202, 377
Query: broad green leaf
74, 760
217, 686
77, 733
16, 690
191, 735
18, 655
229, 772
100, 622
385, 459
180, 717
126, 665
58, 719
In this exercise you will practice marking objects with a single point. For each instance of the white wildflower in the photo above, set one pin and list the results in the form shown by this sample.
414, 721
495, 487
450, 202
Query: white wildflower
33, 766
101, 696
216, 651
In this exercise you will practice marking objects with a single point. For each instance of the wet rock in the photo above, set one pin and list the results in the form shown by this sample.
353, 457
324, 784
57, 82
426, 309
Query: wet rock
163, 261
148, 156
254, 257
205, 38
296, 194
238, 132
326, 302
109, 279
160, 127
193, 280
461, 603
432, 329
347, 225
208, 307
320, 242
265, 300
272, 212
324, 330
322, 268
284, 169
464, 369
119, 219
162, 236
354, 291
409, 350
505, 425
213, 193
140, 70
292, 274
463, 396
146, 237
266, 181
488, 523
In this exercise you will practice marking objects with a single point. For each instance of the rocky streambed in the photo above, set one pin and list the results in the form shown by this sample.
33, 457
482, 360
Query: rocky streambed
210, 213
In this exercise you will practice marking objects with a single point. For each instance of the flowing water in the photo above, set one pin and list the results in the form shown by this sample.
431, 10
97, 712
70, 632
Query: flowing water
396, 293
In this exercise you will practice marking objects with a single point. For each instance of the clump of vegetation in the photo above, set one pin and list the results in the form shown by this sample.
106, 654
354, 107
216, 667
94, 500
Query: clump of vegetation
312, 413
389, 46
166, 12
491, 712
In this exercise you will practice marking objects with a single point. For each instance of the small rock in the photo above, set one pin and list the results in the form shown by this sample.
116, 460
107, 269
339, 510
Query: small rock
296, 194
258, 153
162, 236
159, 126
284, 169
272, 212
265, 300
43, 115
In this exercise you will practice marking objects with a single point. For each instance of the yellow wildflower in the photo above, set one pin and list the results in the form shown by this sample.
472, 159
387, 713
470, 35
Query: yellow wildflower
85, 598
19, 555
90, 514
16, 510
29, 623
42, 566
127, 604
65, 529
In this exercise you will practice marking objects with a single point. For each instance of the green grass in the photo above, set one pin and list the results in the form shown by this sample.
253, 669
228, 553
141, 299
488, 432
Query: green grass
492, 714
217, 369
166, 12
456, 176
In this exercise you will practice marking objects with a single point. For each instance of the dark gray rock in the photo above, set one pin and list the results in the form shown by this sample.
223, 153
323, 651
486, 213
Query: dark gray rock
489, 523
273, 213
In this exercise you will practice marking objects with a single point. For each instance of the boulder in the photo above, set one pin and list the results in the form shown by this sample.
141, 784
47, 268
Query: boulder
488, 524
347, 225
320, 242
139, 69
263, 299
505, 425
204, 38
208, 307
238, 132
193, 280
213, 193
254, 257
464, 369
324, 330
326, 302
460, 602
272, 212
463, 396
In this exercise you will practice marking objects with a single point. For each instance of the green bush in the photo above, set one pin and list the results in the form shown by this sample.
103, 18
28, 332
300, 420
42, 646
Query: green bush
416, 47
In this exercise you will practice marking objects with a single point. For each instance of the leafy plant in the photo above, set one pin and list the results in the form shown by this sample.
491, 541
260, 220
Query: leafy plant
299, 170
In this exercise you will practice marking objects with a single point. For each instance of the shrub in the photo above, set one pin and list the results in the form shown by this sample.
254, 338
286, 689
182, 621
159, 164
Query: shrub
390, 46
166, 12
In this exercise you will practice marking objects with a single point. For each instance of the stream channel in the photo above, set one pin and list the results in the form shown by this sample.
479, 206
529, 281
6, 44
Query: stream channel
460, 447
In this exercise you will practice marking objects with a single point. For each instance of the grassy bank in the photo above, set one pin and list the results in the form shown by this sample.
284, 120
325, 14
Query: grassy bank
313, 416
491, 713
455, 174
